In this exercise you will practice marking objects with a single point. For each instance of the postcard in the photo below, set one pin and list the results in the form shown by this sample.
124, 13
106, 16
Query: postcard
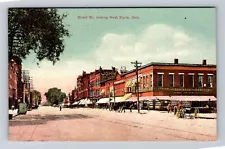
112, 74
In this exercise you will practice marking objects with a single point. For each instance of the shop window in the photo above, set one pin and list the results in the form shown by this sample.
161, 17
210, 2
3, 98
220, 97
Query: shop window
151, 80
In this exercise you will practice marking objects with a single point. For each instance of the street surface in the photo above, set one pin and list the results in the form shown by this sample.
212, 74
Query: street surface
51, 124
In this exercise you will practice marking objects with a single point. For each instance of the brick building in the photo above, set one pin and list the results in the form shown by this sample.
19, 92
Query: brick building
92, 85
15, 90
161, 80
74, 94
83, 85
173, 79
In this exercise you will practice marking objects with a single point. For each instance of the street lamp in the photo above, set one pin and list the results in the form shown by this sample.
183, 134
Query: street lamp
136, 65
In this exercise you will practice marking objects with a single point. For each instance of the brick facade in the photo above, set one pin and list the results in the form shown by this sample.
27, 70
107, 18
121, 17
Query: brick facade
154, 79
15, 90
175, 79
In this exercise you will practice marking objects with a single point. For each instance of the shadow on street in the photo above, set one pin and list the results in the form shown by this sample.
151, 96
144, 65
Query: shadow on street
43, 119
206, 117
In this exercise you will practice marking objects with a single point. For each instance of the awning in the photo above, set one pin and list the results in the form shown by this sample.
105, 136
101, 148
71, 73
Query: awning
103, 100
162, 97
146, 98
132, 99
128, 84
80, 101
75, 103
193, 98
89, 102
125, 97
117, 99
83, 102
151, 98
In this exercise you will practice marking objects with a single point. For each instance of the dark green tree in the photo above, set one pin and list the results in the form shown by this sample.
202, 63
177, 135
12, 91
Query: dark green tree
40, 30
55, 96
62, 97
36, 97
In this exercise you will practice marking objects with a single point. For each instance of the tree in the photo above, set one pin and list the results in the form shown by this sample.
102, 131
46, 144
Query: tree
36, 97
40, 30
55, 96
62, 97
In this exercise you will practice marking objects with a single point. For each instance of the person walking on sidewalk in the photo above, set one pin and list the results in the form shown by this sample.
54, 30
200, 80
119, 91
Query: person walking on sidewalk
131, 106
169, 107
60, 108
123, 108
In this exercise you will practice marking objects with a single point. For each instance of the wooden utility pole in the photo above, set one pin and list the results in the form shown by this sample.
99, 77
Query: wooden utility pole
136, 65
114, 96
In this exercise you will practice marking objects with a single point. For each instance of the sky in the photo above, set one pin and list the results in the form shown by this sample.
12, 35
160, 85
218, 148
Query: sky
149, 35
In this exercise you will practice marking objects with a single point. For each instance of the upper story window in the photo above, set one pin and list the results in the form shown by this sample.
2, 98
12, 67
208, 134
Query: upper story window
146, 81
143, 81
200, 80
181, 80
151, 80
171, 79
160, 80
210, 77
191, 79
96, 82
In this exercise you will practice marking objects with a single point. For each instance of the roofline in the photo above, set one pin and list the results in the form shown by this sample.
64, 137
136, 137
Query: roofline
170, 64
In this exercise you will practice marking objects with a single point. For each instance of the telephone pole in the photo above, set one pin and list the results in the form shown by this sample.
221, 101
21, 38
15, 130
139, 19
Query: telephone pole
136, 65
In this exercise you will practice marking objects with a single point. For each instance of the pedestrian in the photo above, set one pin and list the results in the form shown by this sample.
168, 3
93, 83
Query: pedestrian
60, 107
169, 107
13, 107
123, 108
130, 107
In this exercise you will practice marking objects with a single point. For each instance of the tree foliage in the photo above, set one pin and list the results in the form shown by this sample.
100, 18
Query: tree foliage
55, 96
40, 30
37, 97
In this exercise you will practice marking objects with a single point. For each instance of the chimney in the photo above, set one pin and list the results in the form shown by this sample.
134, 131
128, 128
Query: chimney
204, 62
176, 61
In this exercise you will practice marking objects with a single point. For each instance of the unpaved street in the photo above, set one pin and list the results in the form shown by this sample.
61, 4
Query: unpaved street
50, 124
